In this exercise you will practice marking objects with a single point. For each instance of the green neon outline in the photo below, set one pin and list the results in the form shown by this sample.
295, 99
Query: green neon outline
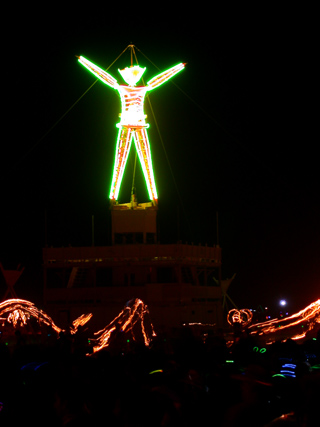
135, 131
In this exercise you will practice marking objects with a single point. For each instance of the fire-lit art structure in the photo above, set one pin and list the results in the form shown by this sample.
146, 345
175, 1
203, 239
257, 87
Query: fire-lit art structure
243, 317
18, 313
132, 123
134, 319
294, 327
134, 313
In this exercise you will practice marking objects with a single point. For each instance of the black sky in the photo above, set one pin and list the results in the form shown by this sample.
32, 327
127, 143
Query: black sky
238, 137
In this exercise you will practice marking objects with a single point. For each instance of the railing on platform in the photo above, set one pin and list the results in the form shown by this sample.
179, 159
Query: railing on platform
157, 252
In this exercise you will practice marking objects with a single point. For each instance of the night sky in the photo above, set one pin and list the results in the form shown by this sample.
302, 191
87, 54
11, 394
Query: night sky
233, 137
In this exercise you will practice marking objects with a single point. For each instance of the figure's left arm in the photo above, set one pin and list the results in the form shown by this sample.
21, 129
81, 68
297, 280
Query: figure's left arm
98, 72
165, 76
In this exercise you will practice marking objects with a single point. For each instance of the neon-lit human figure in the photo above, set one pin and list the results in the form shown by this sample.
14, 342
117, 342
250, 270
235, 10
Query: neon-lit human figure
132, 124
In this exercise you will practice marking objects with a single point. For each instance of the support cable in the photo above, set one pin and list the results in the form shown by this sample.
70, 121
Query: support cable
161, 139
229, 134
169, 165
165, 151
63, 116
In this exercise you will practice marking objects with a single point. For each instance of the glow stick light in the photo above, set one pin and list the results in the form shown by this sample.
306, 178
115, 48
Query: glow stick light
132, 123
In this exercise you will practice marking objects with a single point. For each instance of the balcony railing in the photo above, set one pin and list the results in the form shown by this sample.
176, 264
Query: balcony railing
153, 253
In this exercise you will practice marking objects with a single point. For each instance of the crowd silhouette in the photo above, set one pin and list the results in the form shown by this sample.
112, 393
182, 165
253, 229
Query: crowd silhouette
183, 378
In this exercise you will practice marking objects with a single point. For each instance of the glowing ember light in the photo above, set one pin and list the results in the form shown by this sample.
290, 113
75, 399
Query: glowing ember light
19, 311
243, 317
132, 124
199, 324
15, 316
81, 321
134, 312
289, 327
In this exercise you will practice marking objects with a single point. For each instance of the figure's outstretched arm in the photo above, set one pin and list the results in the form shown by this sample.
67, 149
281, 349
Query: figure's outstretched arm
98, 72
163, 77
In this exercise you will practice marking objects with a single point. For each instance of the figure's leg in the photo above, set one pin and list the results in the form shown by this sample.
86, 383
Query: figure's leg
122, 151
143, 148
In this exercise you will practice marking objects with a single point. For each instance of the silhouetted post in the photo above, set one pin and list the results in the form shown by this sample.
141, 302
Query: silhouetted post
92, 227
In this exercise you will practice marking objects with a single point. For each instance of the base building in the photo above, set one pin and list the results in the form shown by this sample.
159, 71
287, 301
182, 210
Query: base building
180, 283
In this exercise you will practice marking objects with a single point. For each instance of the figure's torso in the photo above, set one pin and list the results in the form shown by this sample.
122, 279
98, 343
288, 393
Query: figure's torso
132, 100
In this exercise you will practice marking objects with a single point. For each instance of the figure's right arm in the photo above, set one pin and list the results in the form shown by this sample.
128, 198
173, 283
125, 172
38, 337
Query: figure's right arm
98, 72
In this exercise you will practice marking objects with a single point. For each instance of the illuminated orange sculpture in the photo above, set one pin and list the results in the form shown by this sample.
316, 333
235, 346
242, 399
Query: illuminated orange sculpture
18, 312
243, 317
132, 124
295, 326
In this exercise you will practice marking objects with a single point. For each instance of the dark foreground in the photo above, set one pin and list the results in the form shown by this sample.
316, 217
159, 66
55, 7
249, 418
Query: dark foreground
180, 380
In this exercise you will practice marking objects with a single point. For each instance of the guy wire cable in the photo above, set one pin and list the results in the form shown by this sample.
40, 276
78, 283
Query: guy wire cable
164, 149
63, 115
226, 131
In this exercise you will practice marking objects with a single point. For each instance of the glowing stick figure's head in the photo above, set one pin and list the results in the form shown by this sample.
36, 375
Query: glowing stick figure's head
132, 75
